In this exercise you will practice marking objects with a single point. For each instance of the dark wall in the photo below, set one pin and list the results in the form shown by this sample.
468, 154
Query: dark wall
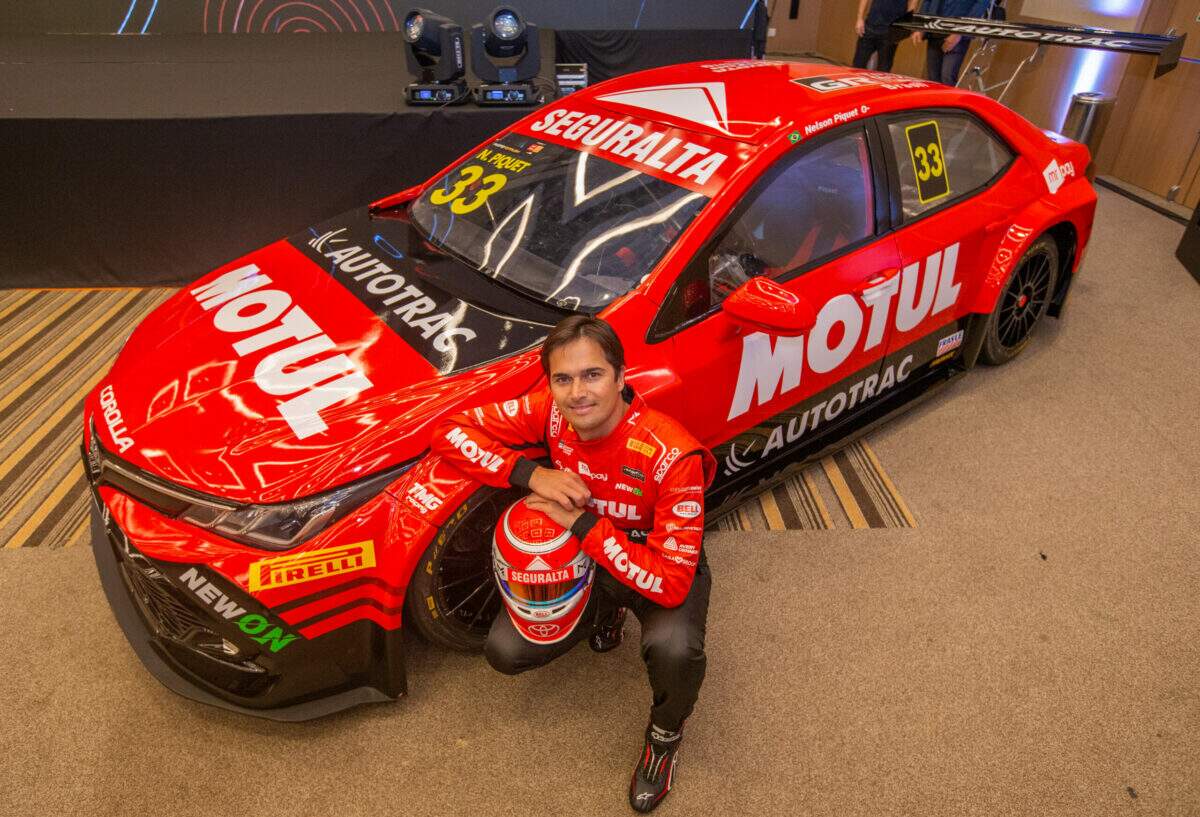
268, 16
161, 201
140, 160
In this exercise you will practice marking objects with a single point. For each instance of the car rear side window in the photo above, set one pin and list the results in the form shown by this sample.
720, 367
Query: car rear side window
942, 157
806, 209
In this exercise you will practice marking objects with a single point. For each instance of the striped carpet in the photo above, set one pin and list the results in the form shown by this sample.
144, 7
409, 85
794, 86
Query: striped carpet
851, 481
56, 344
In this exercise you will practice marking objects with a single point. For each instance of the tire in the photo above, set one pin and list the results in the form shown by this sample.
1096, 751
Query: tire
1022, 303
452, 596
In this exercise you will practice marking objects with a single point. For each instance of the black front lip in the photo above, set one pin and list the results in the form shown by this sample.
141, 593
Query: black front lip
157, 659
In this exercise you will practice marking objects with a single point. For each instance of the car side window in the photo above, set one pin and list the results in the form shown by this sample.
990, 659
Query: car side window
805, 210
941, 157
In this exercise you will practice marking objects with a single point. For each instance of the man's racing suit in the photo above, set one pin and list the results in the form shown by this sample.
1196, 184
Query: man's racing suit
644, 527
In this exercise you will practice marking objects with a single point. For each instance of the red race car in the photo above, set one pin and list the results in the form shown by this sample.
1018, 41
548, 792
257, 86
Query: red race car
790, 253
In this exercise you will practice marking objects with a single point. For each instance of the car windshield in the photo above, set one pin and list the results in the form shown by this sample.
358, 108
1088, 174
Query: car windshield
566, 227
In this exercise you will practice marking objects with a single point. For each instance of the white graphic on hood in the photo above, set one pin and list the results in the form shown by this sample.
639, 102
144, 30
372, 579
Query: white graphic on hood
290, 338
699, 102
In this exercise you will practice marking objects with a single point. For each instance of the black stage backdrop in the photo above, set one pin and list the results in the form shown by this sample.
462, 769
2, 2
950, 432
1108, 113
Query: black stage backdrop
136, 202
609, 54
142, 160
133, 160
347, 16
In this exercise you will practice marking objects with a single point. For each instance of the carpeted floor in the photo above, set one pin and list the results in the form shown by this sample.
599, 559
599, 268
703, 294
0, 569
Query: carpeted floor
1032, 648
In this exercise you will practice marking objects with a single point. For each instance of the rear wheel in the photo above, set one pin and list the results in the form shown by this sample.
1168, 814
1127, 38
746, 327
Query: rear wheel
452, 597
1022, 304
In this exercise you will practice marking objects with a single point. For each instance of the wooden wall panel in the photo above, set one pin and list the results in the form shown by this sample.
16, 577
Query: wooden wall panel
795, 36
1156, 121
1154, 124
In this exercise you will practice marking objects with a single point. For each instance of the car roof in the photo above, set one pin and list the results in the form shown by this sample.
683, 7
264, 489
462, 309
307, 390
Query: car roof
752, 100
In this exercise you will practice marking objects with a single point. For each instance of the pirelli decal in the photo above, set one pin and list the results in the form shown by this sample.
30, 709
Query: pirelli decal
295, 568
641, 447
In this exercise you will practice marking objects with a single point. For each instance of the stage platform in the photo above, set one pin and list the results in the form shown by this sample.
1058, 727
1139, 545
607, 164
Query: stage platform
144, 160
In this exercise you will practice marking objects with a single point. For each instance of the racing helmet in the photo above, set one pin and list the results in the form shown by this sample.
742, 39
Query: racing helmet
544, 577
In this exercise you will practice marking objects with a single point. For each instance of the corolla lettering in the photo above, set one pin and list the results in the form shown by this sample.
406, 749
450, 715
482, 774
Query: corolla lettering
114, 420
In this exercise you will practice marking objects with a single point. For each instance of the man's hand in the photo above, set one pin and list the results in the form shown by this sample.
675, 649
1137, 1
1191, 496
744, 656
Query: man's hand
565, 488
918, 36
951, 41
860, 26
562, 514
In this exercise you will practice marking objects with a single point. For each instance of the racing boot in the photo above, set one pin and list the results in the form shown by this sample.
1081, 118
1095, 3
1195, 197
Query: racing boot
655, 769
608, 631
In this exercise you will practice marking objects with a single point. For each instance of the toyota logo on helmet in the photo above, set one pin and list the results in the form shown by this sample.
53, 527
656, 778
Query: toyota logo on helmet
543, 576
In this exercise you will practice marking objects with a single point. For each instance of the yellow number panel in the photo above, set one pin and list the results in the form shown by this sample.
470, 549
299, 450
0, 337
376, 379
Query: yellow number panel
925, 148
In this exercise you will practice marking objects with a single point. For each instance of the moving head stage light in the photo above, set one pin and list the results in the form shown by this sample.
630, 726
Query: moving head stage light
434, 49
505, 37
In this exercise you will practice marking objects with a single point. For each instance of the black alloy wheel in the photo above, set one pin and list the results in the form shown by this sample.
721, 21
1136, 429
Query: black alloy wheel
1023, 302
452, 597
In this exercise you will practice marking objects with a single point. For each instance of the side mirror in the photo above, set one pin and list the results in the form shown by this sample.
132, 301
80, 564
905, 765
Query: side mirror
763, 305
729, 270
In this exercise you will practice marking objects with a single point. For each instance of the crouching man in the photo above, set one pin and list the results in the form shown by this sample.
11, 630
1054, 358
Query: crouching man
629, 483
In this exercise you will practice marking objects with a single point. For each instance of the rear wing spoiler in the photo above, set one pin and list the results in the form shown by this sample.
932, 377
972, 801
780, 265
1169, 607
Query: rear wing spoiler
1166, 47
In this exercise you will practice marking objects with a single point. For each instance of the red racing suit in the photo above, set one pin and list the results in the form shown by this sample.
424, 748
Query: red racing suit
645, 520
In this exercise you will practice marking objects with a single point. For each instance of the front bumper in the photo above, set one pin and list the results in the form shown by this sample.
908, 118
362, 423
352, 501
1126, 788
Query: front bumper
249, 662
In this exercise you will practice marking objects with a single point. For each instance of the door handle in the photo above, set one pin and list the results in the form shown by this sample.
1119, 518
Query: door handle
881, 278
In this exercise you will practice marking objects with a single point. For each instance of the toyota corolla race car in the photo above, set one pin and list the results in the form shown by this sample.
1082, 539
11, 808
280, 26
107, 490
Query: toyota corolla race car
790, 254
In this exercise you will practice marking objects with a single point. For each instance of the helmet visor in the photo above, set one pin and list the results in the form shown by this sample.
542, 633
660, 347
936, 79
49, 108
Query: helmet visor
543, 589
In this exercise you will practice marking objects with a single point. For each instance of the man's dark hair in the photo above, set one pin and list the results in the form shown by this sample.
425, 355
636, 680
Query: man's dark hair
575, 327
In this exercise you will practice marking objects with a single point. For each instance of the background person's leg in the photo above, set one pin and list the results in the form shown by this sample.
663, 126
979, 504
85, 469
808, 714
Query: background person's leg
863, 50
887, 53
953, 60
933, 59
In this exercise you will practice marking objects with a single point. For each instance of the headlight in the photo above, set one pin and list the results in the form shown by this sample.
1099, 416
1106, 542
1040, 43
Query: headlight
284, 525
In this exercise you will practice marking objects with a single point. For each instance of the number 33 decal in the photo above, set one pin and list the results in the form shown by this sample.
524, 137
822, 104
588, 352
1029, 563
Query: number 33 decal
467, 177
926, 155
928, 161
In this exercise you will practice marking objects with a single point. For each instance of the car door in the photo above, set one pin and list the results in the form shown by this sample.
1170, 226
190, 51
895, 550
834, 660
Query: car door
947, 169
812, 224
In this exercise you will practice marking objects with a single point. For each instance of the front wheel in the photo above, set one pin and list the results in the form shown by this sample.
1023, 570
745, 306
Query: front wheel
452, 597
1022, 303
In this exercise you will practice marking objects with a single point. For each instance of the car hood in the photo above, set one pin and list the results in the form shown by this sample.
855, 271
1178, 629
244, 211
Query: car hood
313, 362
